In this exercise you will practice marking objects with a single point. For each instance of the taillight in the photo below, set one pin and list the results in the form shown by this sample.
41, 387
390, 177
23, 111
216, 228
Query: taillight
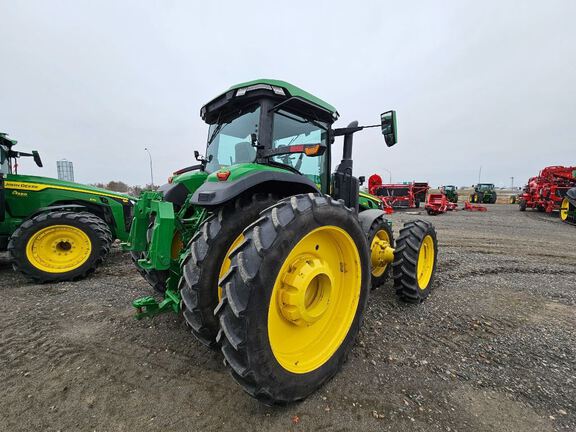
223, 175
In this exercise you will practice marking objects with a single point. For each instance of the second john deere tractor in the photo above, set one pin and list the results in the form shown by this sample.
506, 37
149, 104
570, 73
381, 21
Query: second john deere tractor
451, 193
265, 251
56, 230
484, 193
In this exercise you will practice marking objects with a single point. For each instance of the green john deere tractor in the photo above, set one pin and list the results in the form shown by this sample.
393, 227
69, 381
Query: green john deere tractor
266, 252
484, 193
56, 230
451, 193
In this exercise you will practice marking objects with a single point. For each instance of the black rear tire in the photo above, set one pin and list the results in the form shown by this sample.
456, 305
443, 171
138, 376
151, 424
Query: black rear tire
97, 231
201, 267
244, 309
409, 287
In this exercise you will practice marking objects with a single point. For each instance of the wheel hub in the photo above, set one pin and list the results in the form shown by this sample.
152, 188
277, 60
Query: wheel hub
381, 253
305, 294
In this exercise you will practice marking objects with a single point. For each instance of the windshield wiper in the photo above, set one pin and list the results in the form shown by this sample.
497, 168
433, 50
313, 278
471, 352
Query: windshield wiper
217, 130
283, 165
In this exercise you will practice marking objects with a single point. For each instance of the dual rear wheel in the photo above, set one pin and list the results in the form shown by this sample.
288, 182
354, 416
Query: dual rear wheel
293, 288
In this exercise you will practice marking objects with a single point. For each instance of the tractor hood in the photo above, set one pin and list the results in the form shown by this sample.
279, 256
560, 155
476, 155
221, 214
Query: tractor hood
227, 183
37, 183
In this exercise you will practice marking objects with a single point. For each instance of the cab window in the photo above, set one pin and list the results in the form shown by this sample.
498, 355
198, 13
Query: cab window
291, 129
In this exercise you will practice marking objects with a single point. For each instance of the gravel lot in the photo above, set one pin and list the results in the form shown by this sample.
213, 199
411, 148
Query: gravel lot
493, 348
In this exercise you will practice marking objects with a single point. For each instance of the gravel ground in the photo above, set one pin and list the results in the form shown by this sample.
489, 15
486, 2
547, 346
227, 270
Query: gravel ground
493, 348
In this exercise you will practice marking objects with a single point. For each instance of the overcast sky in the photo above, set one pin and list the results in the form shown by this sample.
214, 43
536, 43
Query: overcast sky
475, 83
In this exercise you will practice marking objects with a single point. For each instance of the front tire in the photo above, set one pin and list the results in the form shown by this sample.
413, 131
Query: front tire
207, 262
415, 261
60, 246
294, 298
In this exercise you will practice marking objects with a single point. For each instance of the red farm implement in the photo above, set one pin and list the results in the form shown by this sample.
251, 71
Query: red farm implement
473, 207
546, 191
398, 195
438, 203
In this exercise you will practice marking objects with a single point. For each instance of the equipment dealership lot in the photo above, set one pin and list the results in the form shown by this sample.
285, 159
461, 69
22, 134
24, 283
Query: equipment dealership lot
493, 347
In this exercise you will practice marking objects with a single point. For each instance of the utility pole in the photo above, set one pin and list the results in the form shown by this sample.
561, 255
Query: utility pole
479, 173
151, 172
389, 174
512, 182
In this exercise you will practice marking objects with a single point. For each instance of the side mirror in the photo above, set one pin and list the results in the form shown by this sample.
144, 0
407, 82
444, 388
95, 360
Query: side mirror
361, 180
196, 154
36, 157
388, 122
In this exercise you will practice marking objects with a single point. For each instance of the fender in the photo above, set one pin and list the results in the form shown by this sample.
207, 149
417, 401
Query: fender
216, 193
73, 207
367, 217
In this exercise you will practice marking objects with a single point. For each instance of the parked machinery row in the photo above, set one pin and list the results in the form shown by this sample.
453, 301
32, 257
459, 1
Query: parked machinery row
548, 191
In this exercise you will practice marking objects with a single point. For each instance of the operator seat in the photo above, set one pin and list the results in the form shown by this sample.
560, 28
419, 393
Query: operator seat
244, 152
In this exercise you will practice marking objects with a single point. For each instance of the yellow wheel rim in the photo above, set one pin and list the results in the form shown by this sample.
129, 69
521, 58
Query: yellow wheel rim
58, 249
425, 262
564, 208
381, 253
314, 299
227, 261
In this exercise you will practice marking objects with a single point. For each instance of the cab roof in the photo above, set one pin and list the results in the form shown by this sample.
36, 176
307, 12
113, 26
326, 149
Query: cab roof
270, 86
291, 89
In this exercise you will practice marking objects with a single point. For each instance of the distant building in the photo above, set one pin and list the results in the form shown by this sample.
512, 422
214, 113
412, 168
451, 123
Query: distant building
65, 170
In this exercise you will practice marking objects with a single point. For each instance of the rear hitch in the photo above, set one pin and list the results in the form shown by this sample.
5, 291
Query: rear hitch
148, 307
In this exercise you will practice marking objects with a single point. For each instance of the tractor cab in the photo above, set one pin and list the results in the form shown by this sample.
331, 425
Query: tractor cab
8, 156
278, 125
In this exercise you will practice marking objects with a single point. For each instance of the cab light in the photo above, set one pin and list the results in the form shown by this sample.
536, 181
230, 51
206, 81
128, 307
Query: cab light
223, 175
312, 150
276, 90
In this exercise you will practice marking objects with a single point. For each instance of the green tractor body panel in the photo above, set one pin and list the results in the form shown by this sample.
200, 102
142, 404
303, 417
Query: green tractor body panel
368, 201
241, 170
27, 195
192, 180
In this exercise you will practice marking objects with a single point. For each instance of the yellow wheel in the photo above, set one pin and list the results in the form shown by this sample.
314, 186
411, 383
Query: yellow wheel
294, 298
60, 246
415, 261
208, 260
381, 241
426, 262
313, 301
565, 210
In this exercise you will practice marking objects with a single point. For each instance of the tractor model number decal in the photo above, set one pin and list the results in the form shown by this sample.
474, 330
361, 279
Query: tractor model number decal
19, 194
35, 187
